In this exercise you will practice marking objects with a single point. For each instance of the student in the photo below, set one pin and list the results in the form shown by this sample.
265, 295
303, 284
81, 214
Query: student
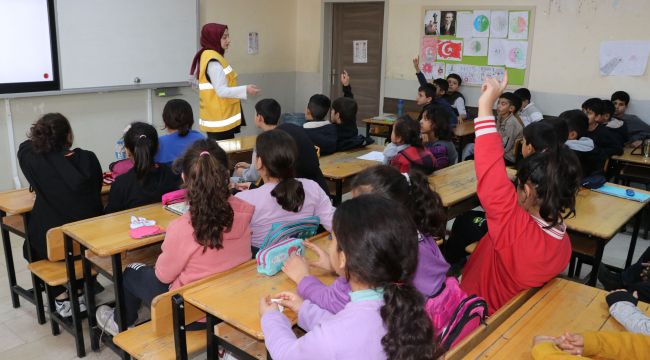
592, 159
526, 243
529, 111
307, 164
637, 128
441, 86
616, 126
425, 207
509, 125
385, 317
282, 197
178, 118
603, 137
427, 95
344, 116
600, 344
148, 180
67, 183
436, 136
561, 129
539, 137
320, 130
455, 97
634, 278
623, 307
406, 150
212, 237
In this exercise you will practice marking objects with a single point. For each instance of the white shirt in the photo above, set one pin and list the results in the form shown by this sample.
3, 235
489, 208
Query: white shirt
218, 81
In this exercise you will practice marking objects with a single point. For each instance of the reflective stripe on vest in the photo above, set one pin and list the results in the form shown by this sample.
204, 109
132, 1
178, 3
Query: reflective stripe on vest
220, 123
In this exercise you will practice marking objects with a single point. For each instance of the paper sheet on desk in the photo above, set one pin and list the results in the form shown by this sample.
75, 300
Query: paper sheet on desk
620, 192
373, 156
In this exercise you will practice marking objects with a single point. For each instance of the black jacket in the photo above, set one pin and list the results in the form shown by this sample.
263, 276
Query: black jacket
127, 192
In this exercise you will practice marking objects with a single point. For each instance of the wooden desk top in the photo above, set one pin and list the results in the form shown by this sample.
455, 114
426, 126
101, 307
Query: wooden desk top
379, 121
234, 298
457, 182
558, 307
109, 234
344, 164
238, 144
632, 159
465, 128
602, 215
21, 201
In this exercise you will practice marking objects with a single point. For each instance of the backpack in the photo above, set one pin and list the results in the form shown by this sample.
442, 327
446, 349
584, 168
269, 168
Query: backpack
426, 163
439, 152
453, 314
301, 229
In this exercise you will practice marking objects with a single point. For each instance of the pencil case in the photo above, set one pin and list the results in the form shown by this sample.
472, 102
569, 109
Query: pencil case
271, 259
146, 231
174, 197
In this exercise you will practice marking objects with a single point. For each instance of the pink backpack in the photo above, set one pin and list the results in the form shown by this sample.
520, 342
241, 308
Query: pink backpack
454, 314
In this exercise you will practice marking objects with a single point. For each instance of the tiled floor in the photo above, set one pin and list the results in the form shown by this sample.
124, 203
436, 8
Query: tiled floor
21, 337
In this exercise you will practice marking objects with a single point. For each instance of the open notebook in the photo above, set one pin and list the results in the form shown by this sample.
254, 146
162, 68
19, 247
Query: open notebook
178, 208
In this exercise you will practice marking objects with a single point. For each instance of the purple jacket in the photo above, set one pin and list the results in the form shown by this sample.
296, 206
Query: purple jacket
429, 277
328, 336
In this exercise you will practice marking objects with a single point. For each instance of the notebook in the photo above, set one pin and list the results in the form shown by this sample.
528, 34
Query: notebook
621, 192
178, 208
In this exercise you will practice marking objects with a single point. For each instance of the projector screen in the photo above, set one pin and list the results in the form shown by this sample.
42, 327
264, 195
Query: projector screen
29, 55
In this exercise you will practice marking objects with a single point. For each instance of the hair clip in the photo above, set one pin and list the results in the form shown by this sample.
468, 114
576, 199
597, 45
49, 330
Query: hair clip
408, 178
142, 136
204, 153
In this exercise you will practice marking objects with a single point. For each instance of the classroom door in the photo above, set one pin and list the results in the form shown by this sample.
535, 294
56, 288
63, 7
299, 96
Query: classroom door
357, 38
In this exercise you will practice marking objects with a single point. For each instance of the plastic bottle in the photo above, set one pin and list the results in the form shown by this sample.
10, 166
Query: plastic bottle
400, 107
120, 151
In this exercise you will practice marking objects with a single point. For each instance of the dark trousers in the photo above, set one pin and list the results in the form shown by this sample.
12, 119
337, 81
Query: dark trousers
140, 286
632, 277
468, 228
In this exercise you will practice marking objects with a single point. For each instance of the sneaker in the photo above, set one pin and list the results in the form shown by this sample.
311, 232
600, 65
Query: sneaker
610, 280
64, 307
105, 321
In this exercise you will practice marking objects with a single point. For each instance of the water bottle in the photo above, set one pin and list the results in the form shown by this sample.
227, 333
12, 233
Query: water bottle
120, 151
400, 107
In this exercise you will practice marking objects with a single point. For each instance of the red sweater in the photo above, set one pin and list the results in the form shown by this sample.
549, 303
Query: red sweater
183, 261
517, 253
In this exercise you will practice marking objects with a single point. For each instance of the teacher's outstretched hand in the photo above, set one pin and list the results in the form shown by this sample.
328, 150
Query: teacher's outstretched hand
220, 112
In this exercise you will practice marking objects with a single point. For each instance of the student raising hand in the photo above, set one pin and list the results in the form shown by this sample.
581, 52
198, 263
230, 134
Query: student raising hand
490, 92
416, 64
345, 78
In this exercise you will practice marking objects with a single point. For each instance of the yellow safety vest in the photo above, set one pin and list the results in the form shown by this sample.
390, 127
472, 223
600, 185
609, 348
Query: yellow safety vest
217, 114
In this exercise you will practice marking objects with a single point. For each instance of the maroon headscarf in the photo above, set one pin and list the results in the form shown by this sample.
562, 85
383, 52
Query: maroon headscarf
210, 40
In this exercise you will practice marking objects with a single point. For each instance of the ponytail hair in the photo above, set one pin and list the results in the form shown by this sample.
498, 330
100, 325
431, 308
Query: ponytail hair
555, 176
414, 192
278, 152
384, 254
177, 115
142, 142
52, 132
204, 166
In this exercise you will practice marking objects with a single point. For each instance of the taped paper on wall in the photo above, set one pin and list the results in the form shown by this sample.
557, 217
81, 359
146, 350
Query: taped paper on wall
476, 47
624, 58
450, 50
497, 52
516, 54
360, 51
498, 24
464, 24
481, 24
518, 25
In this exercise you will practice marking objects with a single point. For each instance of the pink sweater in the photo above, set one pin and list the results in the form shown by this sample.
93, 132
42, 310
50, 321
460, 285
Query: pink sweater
183, 260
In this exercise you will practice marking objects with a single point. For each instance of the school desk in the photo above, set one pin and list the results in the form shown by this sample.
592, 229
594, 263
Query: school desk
15, 206
340, 167
456, 186
599, 217
239, 149
107, 236
235, 298
628, 158
560, 306
379, 124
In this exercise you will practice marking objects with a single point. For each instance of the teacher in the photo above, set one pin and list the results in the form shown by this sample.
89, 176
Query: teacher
220, 112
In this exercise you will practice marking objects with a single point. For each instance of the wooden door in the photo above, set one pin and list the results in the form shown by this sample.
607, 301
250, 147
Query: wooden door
358, 22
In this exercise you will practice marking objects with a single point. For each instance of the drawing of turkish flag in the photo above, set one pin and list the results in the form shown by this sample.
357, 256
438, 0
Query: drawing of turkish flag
450, 50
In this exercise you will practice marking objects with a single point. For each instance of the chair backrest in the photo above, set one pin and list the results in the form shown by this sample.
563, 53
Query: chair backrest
55, 248
161, 306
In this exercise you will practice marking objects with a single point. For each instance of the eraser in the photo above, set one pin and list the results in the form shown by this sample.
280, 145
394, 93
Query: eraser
277, 301
629, 192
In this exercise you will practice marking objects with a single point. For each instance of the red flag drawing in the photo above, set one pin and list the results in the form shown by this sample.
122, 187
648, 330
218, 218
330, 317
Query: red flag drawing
450, 50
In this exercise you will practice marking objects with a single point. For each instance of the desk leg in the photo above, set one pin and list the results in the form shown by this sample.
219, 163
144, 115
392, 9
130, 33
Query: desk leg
338, 198
635, 235
74, 297
213, 344
367, 129
37, 283
91, 307
119, 297
178, 316
597, 260
9, 261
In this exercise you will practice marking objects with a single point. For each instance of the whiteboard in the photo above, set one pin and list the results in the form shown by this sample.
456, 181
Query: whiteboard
109, 43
